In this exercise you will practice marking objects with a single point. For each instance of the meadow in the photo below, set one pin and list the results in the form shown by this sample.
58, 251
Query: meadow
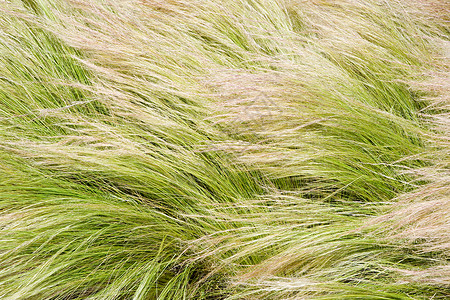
238, 149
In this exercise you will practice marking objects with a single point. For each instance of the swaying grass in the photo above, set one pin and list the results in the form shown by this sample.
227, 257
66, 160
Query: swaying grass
242, 149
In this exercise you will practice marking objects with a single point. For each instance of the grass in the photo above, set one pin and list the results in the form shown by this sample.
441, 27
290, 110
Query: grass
246, 149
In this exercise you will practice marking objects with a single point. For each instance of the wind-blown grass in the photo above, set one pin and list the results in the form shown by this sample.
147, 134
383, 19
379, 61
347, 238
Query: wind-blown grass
245, 149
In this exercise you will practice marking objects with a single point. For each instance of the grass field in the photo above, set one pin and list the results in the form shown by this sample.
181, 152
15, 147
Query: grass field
239, 149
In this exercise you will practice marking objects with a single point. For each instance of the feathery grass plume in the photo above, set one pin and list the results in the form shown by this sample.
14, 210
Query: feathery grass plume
245, 149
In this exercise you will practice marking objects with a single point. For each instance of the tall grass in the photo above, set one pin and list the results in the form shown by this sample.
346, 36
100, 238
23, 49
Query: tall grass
244, 149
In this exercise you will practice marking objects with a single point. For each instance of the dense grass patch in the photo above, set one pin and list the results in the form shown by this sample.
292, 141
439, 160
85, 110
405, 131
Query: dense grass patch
243, 149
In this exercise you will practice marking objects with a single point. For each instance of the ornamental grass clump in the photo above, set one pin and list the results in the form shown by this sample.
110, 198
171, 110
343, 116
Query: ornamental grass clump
242, 149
